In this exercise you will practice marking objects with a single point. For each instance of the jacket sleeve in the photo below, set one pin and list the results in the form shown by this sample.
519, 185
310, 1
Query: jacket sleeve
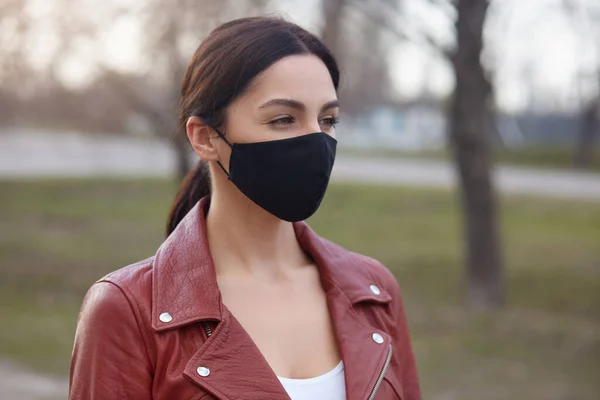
110, 358
410, 380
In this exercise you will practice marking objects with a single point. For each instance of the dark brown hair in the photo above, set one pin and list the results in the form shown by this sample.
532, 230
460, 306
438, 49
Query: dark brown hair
221, 70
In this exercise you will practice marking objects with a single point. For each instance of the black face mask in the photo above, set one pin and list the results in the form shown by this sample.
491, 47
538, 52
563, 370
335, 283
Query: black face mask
286, 177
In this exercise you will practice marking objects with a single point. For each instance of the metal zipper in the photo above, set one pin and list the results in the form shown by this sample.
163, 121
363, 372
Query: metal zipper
383, 372
207, 328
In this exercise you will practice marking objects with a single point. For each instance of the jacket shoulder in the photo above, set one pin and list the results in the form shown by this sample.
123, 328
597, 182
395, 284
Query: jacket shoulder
134, 279
131, 285
109, 334
368, 267
376, 269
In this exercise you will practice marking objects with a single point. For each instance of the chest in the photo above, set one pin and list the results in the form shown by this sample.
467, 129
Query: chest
290, 325
227, 366
286, 331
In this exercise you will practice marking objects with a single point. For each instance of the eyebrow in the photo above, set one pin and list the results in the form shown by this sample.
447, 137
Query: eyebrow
298, 105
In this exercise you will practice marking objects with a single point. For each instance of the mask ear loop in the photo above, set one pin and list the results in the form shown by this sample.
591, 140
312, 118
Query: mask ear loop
229, 144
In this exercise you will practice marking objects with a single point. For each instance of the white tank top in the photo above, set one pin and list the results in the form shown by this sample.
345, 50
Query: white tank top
329, 386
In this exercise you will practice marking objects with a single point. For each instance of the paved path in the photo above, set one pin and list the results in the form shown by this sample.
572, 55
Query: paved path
437, 174
19, 384
26, 154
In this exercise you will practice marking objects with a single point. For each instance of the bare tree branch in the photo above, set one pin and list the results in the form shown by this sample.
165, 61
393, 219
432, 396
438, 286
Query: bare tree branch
392, 21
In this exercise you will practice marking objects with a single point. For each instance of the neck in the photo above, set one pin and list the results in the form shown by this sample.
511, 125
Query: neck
245, 239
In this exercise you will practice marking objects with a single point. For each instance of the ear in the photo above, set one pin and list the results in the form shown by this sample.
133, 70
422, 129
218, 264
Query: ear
199, 135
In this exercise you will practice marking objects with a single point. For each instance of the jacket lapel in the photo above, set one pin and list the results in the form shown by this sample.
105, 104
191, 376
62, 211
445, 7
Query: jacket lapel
236, 365
237, 368
363, 357
347, 283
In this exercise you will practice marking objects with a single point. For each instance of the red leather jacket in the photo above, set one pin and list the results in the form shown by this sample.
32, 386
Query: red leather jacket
158, 329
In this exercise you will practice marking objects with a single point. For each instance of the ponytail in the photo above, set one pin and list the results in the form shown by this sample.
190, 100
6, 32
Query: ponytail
195, 186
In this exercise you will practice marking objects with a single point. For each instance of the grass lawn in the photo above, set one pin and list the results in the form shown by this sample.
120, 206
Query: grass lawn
58, 236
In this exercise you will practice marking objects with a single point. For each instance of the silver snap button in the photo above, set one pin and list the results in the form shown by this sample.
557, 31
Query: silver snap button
165, 317
203, 371
377, 338
375, 290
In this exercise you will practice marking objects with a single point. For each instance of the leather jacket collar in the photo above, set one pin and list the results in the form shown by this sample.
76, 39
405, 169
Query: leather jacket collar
183, 267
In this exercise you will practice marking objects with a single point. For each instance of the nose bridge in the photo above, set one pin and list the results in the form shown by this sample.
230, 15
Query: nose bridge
312, 123
312, 129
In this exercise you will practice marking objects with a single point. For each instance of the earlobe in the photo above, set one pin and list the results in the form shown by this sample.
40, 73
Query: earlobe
199, 135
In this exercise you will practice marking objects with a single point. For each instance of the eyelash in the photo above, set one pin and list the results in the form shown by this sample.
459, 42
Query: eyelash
282, 122
286, 121
332, 121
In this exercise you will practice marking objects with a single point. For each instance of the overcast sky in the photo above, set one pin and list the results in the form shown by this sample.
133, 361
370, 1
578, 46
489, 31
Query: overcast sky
533, 46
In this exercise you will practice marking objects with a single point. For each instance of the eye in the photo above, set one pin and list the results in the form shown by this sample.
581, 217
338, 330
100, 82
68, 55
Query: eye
330, 121
282, 122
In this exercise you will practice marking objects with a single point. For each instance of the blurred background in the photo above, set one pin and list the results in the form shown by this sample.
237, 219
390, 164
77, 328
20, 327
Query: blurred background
468, 164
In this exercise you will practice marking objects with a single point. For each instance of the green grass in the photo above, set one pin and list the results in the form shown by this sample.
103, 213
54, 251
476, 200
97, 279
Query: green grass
552, 158
58, 237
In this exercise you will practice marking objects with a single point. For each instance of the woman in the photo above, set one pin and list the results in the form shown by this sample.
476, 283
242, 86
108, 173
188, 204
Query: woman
242, 300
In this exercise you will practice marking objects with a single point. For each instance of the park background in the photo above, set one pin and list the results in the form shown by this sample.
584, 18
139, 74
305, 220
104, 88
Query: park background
468, 165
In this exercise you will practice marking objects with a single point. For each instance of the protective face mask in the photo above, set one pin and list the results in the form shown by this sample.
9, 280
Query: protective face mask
286, 177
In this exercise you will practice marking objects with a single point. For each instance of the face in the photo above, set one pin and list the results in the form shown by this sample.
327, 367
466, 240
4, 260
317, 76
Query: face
294, 97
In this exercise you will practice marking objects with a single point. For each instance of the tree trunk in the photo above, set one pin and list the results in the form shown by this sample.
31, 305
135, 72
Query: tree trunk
332, 15
484, 269
589, 130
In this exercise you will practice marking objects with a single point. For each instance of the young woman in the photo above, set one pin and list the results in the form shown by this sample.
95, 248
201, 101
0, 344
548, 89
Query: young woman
243, 300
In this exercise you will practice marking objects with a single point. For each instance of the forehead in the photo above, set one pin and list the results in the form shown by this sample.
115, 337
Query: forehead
299, 77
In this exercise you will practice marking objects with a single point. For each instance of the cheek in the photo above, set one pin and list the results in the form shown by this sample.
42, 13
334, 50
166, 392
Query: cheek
243, 126
224, 152
251, 130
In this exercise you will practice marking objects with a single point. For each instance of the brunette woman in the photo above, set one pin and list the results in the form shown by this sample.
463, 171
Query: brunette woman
243, 300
